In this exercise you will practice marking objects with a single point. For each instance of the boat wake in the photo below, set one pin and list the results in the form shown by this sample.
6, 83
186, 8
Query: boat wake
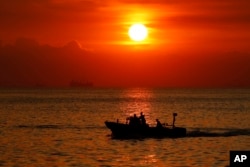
48, 126
216, 132
52, 126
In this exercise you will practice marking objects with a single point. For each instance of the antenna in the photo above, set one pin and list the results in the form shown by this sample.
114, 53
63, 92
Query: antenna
174, 115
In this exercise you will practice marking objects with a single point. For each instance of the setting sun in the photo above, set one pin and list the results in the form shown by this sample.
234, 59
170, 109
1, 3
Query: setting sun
137, 32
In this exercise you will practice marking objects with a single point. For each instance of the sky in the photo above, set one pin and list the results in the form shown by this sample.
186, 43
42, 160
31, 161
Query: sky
190, 43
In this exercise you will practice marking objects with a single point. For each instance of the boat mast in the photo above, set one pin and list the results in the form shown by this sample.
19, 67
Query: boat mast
174, 115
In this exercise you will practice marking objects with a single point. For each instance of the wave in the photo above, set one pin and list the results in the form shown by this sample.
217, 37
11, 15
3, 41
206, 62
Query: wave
48, 126
217, 132
191, 132
51, 126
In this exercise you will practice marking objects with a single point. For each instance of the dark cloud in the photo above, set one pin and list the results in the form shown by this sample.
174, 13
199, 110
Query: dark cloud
30, 13
50, 20
27, 63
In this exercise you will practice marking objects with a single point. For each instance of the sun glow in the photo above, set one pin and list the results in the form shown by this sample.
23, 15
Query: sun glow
138, 32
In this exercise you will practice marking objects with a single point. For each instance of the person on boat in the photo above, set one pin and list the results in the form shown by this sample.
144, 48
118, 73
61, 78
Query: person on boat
134, 121
158, 125
131, 120
137, 120
174, 115
142, 119
128, 120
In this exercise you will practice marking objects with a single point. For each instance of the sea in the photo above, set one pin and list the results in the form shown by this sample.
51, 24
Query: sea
65, 127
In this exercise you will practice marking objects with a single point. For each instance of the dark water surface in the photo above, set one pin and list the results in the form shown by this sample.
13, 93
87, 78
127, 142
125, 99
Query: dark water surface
65, 127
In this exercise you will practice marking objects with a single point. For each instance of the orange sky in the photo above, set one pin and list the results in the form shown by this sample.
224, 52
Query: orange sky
195, 43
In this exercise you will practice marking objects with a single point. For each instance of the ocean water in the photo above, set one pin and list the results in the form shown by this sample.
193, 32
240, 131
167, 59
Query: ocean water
65, 127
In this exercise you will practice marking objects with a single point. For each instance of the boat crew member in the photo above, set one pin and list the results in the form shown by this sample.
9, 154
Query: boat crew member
158, 125
174, 115
142, 119
134, 121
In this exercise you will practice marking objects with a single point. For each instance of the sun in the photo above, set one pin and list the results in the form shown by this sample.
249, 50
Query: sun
138, 32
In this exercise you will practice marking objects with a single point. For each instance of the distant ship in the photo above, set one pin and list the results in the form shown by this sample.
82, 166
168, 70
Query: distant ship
79, 84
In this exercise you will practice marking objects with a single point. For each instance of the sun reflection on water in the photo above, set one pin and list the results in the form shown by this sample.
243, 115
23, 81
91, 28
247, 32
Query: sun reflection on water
150, 158
138, 100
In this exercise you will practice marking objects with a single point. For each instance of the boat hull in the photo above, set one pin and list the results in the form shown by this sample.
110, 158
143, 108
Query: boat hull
120, 130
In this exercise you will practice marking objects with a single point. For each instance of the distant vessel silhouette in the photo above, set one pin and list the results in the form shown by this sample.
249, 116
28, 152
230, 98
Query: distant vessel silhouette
80, 84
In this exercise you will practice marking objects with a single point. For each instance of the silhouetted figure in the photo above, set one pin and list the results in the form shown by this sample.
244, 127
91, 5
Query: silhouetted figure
174, 115
158, 125
137, 120
142, 119
134, 121
127, 120
131, 121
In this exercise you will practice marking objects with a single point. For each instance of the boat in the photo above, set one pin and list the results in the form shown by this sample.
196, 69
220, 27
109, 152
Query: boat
128, 130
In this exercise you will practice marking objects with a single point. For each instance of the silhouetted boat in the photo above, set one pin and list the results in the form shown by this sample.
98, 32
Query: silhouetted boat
125, 130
